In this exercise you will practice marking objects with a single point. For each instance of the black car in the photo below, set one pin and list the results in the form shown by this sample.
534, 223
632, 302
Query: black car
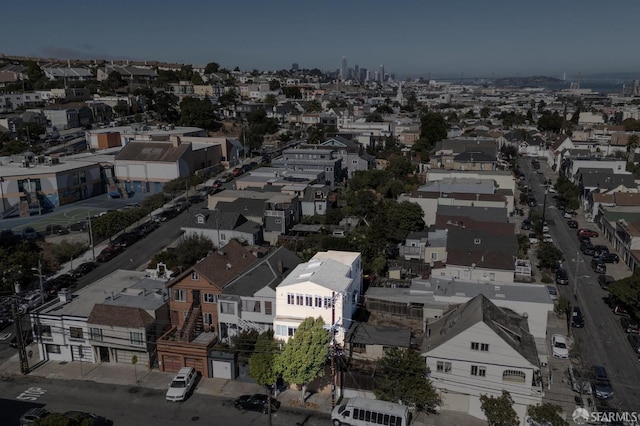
561, 276
526, 224
599, 249
587, 248
599, 266
605, 280
577, 320
610, 258
83, 269
54, 285
572, 224
125, 239
256, 402
109, 253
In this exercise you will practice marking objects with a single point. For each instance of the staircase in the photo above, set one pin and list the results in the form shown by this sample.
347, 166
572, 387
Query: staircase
248, 325
192, 324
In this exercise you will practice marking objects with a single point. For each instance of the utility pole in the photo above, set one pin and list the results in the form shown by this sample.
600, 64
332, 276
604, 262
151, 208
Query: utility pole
93, 249
17, 317
332, 349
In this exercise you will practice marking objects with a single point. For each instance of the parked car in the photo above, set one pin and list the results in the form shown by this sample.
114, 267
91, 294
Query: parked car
546, 238
553, 292
630, 325
598, 266
601, 385
83, 269
257, 402
610, 258
578, 383
587, 233
562, 277
533, 202
182, 384
572, 224
54, 285
634, 340
56, 230
146, 228
28, 233
237, 172
605, 280
109, 253
577, 320
587, 248
526, 225
125, 239
216, 184
33, 414
533, 239
81, 417
568, 214
559, 346
621, 310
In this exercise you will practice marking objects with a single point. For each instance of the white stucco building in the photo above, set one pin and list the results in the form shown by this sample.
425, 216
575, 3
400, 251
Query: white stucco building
313, 288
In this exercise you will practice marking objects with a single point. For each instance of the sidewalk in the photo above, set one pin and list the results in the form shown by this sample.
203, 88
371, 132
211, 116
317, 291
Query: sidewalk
318, 403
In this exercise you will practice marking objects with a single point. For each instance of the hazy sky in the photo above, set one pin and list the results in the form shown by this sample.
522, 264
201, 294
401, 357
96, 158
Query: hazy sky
481, 38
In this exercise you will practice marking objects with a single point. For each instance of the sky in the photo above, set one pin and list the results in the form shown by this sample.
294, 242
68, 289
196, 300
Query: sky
466, 38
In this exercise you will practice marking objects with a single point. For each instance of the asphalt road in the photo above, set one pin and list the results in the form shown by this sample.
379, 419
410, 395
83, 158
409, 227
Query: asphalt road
602, 341
132, 406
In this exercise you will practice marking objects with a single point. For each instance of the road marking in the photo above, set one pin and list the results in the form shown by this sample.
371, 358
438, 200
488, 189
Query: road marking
31, 394
5, 336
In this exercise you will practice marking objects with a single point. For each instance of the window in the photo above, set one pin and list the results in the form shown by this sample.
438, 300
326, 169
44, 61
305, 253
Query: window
308, 300
434, 256
354, 161
135, 338
475, 346
45, 330
200, 219
281, 330
194, 276
478, 371
96, 334
513, 376
318, 302
227, 308
443, 367
210, 298
223, 237
207, 318
299, 299
76, 333
359, 348
179, 295
268, 309
290, 299
251, 306
327, 302
53, 349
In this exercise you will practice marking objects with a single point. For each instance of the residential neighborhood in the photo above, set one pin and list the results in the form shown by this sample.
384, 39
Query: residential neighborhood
218, 218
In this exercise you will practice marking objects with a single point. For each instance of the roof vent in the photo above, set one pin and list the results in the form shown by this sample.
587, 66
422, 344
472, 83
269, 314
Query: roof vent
228, 266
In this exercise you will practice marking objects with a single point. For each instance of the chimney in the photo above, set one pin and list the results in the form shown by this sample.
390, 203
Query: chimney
280, 266
64, 295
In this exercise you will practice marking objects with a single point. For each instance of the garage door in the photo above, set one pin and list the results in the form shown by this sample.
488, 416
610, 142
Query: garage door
455, 402
171, 364
222, 369
126, 357
197, 363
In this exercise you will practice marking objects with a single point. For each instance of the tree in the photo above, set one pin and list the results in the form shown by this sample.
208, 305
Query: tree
304, 356
244, 342
631, 125
66, 250
485, 112
400, 167
499, 409
550, 122
198, 113
165, 105
627, 292
315, 134
632, 144
548, 255
292, 92
547, 413
211, 67
271, 99
54, 419
121, 109
274, 85
402, 375
262, 364
228, 98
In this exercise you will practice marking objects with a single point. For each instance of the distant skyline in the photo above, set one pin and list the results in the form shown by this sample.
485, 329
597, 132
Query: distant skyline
470, 38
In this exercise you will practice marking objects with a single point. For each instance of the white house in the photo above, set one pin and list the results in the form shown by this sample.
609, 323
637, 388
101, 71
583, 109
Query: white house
328, 286
479, 348
64, 333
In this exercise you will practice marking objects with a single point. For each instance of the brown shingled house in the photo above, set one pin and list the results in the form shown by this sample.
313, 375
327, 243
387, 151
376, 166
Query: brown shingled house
193, 307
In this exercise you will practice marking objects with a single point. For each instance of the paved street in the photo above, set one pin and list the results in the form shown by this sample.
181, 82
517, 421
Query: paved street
132, 406
602, 340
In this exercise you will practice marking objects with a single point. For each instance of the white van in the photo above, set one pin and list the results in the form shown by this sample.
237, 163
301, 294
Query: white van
182, 384
368, 412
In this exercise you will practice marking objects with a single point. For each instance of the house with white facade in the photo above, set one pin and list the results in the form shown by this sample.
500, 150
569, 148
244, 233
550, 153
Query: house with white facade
328, 286
221, 227
479, 348
68, 328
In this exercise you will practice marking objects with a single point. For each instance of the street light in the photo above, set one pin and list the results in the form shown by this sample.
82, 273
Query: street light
40, 276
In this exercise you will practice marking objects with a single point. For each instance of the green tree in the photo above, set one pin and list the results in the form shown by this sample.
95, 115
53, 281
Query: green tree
499, 409
632, 144
291, 92
402, 375
271, 99
211, 67
627, 292
13, 147
66, 250
229, 98
315, 134
114, 81
54, 419
374, 117
305, 354
36, 76
165, 104
314, 106
262, 364
631, 125
548, 255
274, 85
400, 167
31, 131
198, 113
485, 112
121, 109
550, 122
547, 413
244, 343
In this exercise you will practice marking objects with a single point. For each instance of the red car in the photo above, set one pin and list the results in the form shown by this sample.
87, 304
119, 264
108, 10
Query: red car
109, 253
587, 233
